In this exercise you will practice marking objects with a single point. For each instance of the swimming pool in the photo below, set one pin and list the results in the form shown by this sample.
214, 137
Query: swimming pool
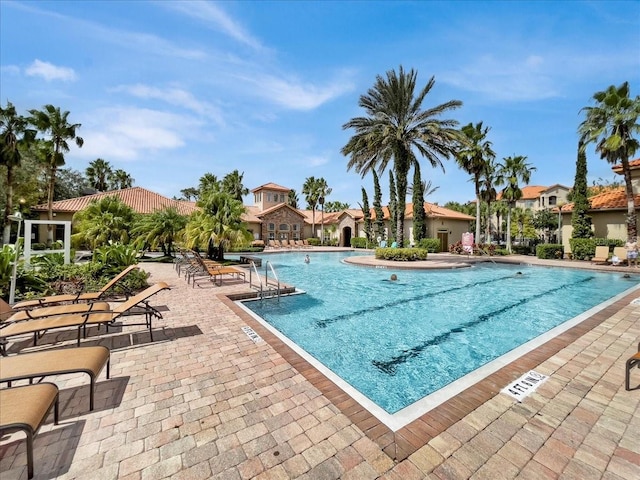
399, 342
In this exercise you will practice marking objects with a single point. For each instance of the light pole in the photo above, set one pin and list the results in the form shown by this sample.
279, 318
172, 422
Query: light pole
16, 217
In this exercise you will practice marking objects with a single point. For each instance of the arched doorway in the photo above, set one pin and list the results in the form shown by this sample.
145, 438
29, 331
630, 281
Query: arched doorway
346, 237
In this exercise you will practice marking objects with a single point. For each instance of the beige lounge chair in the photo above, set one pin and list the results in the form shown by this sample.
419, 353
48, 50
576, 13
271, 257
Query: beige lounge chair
602, 255
80, 297
58, 310
632, 362
215, 271
136, 305
621, 253
24, 409
60, 361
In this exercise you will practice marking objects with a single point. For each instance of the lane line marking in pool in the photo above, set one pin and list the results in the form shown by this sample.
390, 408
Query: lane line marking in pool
252, 334
408, 414
525, 385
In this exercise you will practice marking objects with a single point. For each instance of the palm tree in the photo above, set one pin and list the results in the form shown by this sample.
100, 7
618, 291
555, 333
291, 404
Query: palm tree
219, 222
292, 199
119, 180
103, 221
310, 191
513, 170
395, 125
55, 124
189, 193
160, 229
208, 183
98, 173
472, 157
14, 135
232, 184
611, 125
489, 179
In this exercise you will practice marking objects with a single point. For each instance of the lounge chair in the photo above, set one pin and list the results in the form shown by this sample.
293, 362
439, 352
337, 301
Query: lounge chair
215, 271
601, 256
35, 313
621, 253
60, 361
136, 305
80, 297
24, 409
632, 362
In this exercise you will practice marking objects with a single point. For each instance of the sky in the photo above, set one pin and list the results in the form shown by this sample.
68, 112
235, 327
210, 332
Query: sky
171, 90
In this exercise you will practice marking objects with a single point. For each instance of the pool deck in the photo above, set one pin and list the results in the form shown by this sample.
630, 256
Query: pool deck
204, 401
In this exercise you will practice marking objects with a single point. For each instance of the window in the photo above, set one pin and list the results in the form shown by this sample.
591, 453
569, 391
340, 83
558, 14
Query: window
296, 235
552, 200
283, 227
257, 197
271, 227
296, 227
268, 197
282, 198
272, 236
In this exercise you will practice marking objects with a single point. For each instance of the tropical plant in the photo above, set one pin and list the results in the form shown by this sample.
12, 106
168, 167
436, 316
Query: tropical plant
489, 179
512, 171
393, 208
580, 218
395, 125
377, 207
419, 215
116, 256
315, 189
54, 124
232, 184
335, 206
366, 212
119, 180
103, 221
14, 136
292, 199
98, 173
70, 183
612, 124
219, 223
159, 229
545, 220
190, 193
474, 154
209, 183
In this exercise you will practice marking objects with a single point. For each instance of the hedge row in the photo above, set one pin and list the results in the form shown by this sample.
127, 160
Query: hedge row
401, 254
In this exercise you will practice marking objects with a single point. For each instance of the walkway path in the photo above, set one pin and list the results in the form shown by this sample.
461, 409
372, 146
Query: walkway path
205, 401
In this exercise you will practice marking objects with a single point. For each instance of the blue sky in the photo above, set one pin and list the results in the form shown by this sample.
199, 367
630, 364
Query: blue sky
169, 91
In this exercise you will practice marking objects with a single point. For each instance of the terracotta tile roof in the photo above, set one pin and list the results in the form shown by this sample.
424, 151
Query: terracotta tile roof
251, 214
610, 200
433, 211
278, 207
139, 199
529, 192
271, 186
633, 164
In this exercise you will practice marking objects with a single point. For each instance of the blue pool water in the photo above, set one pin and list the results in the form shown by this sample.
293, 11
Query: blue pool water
397, 342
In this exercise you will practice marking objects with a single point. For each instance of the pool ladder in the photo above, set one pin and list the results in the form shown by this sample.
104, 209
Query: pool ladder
265, 289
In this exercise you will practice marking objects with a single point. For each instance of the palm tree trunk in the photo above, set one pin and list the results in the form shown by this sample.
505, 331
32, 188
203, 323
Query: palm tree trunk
52, 184
402, 173
477, 239
9, 205
509, 228
632, 229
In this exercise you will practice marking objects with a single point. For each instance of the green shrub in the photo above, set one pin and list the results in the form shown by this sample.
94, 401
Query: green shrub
585, 248
314, 241
359, 242
38, 246
523, 249
401, 254
550, 251
432, 245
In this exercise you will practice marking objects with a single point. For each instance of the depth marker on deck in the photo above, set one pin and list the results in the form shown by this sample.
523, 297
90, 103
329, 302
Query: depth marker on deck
252, 335
525, 385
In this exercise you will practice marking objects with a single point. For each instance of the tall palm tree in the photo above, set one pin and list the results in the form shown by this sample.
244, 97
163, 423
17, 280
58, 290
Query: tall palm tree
159, 229
103, 221
611, 124
489, 179
209, 183
310, 192
292, 198
119, 180
395, 125
54, 123
98, 173
232, 184
513, 170
472, 157
14, 135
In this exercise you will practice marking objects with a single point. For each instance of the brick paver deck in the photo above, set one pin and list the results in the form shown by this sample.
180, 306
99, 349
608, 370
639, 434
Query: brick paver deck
204, 401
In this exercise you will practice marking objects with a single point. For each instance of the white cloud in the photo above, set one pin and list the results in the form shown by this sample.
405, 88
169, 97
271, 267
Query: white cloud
131, 133
211, 14
50, 72
295, 95
315, 161
173, 96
